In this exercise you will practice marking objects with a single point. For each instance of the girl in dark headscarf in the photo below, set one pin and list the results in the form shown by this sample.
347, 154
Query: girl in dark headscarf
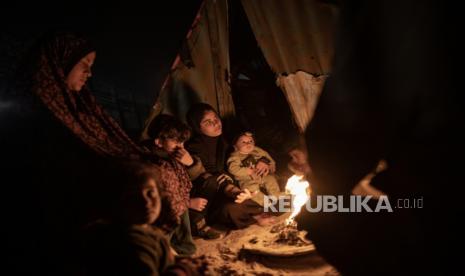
227, 203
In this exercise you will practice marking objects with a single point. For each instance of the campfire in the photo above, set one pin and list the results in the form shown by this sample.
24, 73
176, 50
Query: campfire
287, 231
283, 239
299, 190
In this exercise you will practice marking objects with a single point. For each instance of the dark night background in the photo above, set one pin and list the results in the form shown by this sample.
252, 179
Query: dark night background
136, 42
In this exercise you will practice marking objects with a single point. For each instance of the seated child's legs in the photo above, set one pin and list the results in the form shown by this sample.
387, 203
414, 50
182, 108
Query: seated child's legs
267, 187
238, 215
271, 185
181, 237
207, 189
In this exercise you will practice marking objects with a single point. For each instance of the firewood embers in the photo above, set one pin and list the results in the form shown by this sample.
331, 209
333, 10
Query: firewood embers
289, 235
280, 240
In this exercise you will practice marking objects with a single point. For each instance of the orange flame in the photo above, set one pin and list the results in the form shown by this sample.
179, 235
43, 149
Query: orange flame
298, 188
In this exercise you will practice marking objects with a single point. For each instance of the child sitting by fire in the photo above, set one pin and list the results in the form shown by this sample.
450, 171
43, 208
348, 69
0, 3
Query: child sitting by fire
125, 242
253, 168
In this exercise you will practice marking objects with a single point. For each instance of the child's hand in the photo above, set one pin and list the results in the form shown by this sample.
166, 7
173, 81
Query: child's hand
272, 168
246, 194
250, 171
183, 157
262, 169
254, 175
198, 203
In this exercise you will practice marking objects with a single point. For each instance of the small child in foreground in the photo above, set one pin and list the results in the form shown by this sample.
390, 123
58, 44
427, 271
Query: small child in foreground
127, 243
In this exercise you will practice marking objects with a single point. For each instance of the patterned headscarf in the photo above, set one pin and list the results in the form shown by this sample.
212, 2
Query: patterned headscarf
78, 111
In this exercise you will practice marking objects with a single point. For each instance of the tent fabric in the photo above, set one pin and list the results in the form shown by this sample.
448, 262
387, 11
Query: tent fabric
204, 76
302, 91
294, 34
295, 37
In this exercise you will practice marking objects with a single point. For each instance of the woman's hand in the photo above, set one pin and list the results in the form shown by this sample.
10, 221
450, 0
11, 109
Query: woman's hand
262, 169
246, 194
183, 156
198, 203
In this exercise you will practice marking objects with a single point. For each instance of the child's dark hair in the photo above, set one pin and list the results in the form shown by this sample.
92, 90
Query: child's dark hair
168, 127
122, 176
294, 142
242, 133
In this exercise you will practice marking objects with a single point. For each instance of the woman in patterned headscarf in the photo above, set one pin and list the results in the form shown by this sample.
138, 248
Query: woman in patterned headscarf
58, 140
73, 140
60, 82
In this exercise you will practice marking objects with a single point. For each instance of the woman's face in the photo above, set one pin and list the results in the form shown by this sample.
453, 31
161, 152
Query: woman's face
211, 124
79, 74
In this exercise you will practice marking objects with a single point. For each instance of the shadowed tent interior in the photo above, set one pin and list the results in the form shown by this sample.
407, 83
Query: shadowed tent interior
237, 55
262, 64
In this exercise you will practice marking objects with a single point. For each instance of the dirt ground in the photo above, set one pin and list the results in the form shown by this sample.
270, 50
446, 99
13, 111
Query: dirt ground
227, 256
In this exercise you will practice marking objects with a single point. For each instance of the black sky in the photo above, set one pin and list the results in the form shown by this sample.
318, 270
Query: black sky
136, 41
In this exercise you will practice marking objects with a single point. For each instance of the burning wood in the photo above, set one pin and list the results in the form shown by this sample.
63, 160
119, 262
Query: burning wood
288, 235
280, 240
283, 239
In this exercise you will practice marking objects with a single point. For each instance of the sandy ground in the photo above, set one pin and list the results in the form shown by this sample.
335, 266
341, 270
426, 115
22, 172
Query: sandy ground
226, 256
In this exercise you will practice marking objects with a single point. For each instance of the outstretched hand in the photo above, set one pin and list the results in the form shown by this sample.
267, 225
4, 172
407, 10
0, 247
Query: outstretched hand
244, 195
198, 203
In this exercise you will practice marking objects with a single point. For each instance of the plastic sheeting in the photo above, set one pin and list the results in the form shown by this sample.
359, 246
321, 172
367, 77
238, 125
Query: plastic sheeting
296, 38
200, 73
302, 91
293, 34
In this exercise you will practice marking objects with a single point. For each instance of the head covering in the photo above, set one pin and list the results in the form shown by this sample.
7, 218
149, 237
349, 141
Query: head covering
195, 115
211, 150
166, 126
78, 111
77, 50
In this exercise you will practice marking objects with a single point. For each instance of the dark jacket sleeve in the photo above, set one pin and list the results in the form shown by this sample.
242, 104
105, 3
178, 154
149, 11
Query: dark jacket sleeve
148, 252
196, 169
